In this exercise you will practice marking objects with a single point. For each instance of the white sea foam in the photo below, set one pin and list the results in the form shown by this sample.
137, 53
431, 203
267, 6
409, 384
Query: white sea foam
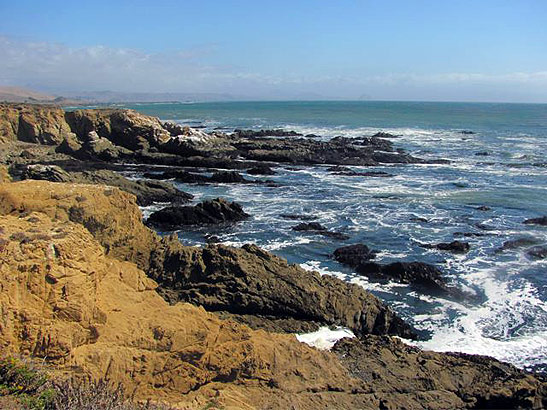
324, 338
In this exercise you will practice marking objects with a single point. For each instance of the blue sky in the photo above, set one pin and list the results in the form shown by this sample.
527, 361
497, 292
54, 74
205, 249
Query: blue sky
481, 50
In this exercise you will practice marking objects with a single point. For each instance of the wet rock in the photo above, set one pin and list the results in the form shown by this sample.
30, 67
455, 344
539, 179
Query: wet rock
518, 243
420, 274
228, 177
345, 171
251, 281
317, 228
354, 255
538, 252
298, 217
536, 221
482, 154
207, 212
377, 143
419, 219
483, 208
261, 170
471, 234
467, 132
454, 246
403, 376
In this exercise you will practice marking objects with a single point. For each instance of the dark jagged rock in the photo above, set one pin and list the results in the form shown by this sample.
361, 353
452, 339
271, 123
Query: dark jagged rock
261, 170
345, 171
404, 377
251, 281
466, 132
265, 133
207, 212
419, 219
483, 208
311, 226
298, 217
378, 143
454, 246
482, 154
518, 243
421, 274
536, 221
317, 228
228, 177
471, 234
354, 255
416, 273
538, 252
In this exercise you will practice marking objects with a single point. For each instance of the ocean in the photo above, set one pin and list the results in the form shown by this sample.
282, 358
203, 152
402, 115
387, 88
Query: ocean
500, 162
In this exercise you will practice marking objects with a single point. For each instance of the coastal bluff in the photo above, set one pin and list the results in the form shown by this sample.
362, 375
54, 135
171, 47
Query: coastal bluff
96, 293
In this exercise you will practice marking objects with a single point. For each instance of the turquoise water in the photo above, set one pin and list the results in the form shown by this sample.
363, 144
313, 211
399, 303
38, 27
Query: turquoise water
508, 320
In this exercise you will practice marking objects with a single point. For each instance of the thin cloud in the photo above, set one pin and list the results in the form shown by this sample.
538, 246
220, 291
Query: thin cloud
57, 67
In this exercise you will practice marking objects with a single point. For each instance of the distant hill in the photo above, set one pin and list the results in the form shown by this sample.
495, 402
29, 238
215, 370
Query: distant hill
23, 95
17, 94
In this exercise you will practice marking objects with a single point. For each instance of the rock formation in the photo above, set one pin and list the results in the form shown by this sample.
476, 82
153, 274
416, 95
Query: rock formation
215, 211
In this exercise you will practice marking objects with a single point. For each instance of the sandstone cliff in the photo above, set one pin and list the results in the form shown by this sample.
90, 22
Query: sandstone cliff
70, 292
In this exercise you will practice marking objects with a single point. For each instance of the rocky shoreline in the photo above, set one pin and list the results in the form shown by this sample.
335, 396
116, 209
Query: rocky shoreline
89, 288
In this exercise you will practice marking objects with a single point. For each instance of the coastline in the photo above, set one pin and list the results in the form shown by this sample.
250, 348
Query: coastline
94, 139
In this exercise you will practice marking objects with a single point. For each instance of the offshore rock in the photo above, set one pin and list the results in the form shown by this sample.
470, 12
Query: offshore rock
317, 228
536, 221
420, 274
454, 246
215, 211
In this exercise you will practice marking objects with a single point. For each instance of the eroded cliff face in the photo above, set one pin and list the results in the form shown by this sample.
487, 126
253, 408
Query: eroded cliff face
72, 291
63, 299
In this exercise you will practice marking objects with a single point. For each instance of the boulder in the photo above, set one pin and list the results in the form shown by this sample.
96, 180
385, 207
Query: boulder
354, 255
454, 246
228, 177
207, 212
261, 170
317, 228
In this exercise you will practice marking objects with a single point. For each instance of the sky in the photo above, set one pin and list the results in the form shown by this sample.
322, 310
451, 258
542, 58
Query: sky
457, 50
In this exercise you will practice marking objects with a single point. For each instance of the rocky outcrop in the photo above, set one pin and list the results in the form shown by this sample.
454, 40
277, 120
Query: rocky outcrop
317, 228
40, 124
251, 281
88, 315
147, 192
215, 211
426, 277
454, 246
261, 170
72, 292
354, 255
264, 284
406, 377
537, 252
